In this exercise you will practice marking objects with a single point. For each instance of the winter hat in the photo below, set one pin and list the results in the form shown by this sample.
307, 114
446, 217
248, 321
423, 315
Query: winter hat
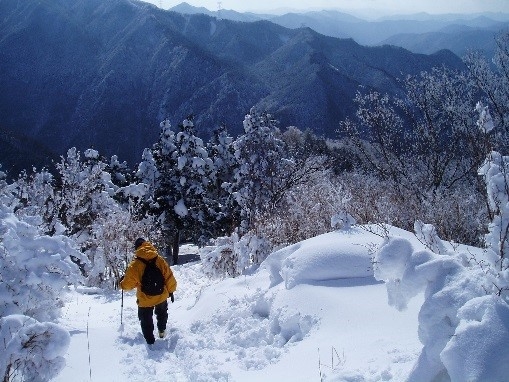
138, 242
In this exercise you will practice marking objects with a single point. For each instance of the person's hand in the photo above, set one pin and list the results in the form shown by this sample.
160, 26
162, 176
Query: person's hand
117, 283
172, 298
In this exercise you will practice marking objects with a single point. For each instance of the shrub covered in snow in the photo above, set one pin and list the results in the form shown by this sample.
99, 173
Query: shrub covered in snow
33, 268
31, 350
230, 256
306, 211
458, 214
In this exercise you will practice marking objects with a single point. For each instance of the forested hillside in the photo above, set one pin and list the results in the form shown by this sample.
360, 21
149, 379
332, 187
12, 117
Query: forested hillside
105, 73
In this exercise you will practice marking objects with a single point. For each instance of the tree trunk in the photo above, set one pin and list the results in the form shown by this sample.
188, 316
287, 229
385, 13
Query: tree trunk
176, 242
168, 253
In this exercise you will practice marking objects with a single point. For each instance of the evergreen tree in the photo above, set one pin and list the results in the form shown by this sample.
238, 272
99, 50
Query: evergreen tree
260, 154
156, 171
192, 178
222, 209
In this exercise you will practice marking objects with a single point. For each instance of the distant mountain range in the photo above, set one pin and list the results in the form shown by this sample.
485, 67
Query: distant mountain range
419, 33
104, 73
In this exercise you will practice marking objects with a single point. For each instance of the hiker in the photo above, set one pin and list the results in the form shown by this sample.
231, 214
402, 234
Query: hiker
150, 301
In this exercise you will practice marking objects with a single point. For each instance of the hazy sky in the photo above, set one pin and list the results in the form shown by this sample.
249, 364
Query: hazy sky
378, 6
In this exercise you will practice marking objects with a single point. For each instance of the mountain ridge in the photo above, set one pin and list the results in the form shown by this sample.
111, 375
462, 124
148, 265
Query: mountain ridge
398, 29
104, 73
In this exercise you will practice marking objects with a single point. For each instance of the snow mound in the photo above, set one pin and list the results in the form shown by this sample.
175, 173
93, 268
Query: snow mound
335, 255
483, 329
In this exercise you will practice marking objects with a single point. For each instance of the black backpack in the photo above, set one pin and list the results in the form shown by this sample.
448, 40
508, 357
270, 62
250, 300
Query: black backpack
152, 280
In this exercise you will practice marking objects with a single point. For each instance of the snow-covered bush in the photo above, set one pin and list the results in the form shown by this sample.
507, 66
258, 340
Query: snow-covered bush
33, 268
31, 350
342, 220
232, 255
220, 260
458, 214
306, 211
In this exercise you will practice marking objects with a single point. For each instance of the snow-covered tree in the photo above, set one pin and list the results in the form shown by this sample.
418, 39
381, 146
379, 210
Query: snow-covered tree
425, 149
76, 189
426, 141
179, 175
34, 268
222, 208
193, 179
140, 194
35, 194
156, 171
260, 154
120, 173
147, 172
493, 80
85, 197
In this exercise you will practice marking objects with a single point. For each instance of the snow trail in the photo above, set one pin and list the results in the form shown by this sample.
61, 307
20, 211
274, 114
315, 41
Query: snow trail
246, 329
116, 351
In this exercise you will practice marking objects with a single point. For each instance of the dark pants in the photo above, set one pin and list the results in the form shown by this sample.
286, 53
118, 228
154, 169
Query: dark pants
147, 323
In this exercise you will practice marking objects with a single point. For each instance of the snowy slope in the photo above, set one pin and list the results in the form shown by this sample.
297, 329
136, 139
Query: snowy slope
331, 322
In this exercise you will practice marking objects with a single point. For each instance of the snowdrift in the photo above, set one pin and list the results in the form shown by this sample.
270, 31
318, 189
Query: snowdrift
341, 254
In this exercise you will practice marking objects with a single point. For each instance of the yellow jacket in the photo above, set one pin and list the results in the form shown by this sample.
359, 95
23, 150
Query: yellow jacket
134, 272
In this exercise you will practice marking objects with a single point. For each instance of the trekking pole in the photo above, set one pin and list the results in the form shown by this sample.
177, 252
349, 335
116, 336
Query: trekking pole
122, 308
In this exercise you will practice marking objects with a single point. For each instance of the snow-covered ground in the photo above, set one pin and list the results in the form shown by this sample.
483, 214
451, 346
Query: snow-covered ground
311, 312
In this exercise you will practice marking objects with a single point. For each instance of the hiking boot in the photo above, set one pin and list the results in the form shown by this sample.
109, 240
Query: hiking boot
162, 334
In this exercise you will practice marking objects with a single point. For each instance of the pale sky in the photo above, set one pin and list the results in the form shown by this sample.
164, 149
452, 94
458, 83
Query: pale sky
373, 6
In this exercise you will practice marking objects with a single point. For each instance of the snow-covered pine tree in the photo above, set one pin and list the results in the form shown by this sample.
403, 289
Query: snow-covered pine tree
156, 172
222, 209
193, 179
260, 155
